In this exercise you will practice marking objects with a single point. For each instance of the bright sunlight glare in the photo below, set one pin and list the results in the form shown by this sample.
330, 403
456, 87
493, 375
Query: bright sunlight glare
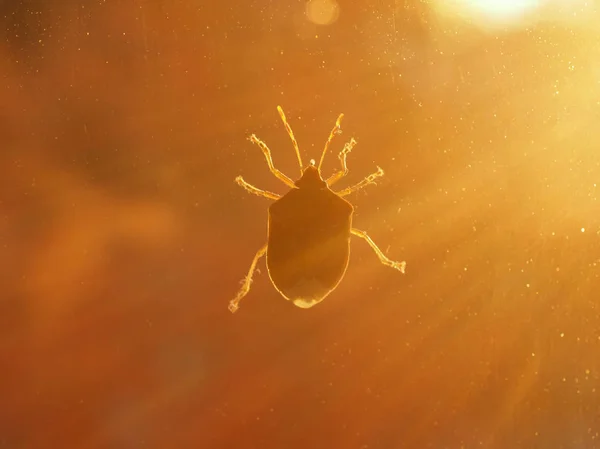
490, 12
501, 8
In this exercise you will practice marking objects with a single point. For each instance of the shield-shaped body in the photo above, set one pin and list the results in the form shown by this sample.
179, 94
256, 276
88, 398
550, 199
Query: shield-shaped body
308, 244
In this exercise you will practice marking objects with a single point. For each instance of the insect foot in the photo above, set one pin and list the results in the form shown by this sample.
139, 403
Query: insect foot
233, 307
400, 266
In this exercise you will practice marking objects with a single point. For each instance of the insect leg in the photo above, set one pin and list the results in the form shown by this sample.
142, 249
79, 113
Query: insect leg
400, 266
342, 157
336, 130
265, 149
368, 180
255, 190
288, 128
234, 303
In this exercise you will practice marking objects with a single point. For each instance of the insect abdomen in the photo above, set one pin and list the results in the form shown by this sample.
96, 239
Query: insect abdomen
308, 245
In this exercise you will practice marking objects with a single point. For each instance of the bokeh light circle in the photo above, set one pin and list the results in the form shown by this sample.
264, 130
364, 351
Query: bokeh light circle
322, 12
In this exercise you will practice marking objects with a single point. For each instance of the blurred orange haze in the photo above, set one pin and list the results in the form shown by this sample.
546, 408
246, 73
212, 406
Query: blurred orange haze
123, 235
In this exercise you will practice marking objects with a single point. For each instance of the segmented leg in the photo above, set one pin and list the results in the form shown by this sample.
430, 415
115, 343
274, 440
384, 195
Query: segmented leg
368, 180
255, 190
400, 266
234, 303
336, 130
288, 128
342, 157
265, 149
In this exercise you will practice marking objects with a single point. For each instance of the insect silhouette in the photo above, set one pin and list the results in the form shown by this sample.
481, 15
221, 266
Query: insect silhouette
308, 228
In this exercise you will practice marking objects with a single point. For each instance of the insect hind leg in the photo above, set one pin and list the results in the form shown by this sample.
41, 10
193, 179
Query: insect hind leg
400, 266
265, 149
247, 281
365, 182
342, 157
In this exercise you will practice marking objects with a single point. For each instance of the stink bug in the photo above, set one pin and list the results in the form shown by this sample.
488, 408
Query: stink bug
308, 228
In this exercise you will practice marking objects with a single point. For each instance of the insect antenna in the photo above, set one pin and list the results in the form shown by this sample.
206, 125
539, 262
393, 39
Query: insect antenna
336, 130
288, 128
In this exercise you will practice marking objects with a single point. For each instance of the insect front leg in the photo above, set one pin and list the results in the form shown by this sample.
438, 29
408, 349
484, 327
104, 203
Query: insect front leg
234, 303
288, 128
255, 190
342, 157
368, 180
265, 149
336, 130
400, 266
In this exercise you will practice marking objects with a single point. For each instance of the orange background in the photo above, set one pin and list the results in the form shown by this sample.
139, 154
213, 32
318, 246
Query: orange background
123, 235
